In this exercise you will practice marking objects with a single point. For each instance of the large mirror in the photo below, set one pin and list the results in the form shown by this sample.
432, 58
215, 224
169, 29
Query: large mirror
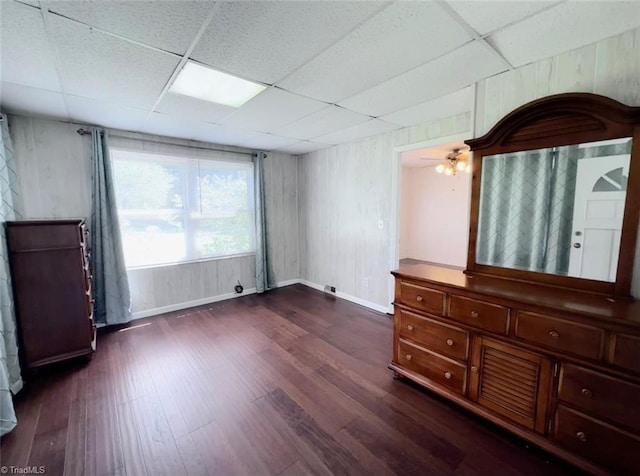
555, 210
556, 195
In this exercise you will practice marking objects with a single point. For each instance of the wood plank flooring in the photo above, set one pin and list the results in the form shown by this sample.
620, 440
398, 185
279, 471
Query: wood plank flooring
291, 382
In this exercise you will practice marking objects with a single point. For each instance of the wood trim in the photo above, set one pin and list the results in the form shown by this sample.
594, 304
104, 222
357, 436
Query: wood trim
630, 219
558, 120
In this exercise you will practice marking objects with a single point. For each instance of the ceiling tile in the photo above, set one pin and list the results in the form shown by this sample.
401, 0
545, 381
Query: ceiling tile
267, 142
455, 70
26, 57
218, 134
488, 15
264, 41
565, 27
449, 105
18, 99
353, 133
104, 113
171, 26
303, 147
99, 66
329, 119
399, 38
177, 104
272, 109
172, 126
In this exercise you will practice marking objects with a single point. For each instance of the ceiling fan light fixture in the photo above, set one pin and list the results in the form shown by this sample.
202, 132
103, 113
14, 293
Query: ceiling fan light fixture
454, 162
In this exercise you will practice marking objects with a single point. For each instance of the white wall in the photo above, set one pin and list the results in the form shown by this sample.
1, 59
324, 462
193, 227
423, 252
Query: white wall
434, 216
343, 192
54, 171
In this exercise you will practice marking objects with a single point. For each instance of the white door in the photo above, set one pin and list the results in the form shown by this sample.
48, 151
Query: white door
597, 217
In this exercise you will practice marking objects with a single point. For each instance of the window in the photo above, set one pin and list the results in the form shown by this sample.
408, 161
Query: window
174, 209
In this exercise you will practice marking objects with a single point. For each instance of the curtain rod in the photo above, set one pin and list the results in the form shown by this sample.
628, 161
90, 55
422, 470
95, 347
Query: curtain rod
83, 132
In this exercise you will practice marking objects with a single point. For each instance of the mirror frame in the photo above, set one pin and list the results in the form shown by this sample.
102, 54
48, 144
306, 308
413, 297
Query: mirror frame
563, 119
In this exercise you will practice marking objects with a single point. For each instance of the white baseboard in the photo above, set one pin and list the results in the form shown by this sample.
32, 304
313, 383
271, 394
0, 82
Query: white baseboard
201, 302
222, 297
349, 297
187, 304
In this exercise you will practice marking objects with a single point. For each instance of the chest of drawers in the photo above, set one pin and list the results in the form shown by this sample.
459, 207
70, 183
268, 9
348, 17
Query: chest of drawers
561, 370
52, 289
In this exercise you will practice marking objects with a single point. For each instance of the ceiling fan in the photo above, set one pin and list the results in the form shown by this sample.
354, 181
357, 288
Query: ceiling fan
455, 161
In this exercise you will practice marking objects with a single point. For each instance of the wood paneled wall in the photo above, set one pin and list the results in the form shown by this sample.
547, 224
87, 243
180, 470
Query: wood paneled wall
346, 189
343, 193
54, 171
609, 67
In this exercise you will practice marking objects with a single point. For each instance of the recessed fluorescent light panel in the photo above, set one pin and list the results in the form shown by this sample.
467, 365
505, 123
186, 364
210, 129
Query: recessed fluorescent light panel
210, 85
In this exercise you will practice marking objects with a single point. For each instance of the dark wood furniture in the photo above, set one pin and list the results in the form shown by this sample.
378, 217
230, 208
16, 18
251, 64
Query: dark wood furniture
52, 290
554, 359
564, 119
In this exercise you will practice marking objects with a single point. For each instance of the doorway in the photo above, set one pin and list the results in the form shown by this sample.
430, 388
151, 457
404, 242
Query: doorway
431, 209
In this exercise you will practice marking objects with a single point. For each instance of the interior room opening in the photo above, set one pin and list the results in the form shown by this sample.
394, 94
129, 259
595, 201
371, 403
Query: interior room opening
435, 190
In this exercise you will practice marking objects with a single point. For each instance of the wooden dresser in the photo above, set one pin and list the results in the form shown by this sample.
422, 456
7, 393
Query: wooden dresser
52, 289
559, 368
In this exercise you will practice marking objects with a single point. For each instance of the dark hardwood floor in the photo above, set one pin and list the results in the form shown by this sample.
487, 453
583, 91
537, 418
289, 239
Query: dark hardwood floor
291, 382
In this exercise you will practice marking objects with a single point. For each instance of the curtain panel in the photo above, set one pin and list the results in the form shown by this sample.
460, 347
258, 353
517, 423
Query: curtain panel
264, 273
111, 285
10, 379
526, 209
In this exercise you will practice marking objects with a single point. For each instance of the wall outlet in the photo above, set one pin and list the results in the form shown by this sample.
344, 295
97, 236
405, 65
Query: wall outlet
365, 282
329, 289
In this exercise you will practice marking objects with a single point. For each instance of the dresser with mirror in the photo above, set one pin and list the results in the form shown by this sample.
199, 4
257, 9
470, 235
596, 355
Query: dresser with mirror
540, 334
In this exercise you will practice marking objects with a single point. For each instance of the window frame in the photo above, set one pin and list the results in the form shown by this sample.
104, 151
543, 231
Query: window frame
190, 216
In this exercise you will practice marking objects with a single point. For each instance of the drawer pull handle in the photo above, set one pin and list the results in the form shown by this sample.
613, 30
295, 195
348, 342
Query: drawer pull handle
449, 342
586, 393
408, 356
474, 314
419, 298
474, 370
447, 375
581, 435
554, 335
409, 327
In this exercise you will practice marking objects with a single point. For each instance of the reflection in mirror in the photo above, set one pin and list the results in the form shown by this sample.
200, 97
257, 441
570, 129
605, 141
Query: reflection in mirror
557, 210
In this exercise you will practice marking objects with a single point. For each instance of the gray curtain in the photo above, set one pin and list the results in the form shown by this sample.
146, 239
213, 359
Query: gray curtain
10, 379
263, 266
111, 285
526, 209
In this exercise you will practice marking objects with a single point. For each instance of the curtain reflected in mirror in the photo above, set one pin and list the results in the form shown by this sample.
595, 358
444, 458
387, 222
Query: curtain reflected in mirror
555, 210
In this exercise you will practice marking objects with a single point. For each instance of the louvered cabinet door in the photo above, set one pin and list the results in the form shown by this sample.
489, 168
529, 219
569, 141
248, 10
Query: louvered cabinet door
511, 382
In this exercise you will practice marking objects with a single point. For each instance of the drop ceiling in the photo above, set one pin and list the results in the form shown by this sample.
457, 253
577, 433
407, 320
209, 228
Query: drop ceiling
335, 71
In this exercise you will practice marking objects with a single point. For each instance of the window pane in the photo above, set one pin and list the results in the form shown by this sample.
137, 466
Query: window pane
150, 197
153, 238
175, 209
226, 209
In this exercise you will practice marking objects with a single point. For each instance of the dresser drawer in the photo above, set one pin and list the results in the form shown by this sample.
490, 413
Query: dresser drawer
422, 298
559, 334
626, 353
600, 395
433, 366
491, 317
441, 338
606, 445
